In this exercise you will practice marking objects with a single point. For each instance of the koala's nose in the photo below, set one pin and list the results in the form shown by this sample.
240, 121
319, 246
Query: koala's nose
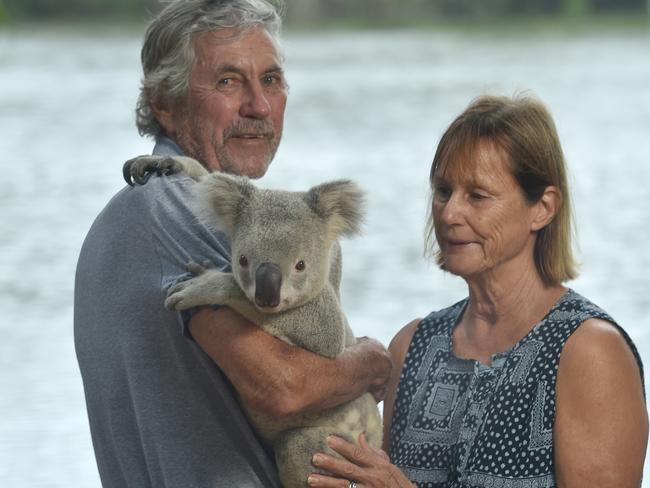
268, 282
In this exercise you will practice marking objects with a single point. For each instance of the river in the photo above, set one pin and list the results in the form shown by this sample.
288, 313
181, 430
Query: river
367, 105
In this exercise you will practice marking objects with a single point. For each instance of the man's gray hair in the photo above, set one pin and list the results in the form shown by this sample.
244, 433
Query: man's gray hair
168, 51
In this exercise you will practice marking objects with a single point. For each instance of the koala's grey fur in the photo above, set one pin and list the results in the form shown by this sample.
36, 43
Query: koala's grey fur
275, 231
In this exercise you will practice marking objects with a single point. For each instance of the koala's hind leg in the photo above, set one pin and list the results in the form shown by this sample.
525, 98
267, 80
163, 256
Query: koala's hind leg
294, 450
138, 170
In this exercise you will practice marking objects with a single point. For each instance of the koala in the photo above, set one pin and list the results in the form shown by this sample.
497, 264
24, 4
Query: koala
286, 272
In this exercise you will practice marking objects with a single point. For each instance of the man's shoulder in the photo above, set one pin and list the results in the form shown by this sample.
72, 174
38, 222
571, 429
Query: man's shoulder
163, 202
159, 194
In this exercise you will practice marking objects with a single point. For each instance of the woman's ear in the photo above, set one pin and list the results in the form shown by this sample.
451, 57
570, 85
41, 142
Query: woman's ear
546, 208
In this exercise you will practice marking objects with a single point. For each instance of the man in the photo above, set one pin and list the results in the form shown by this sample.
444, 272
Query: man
161, 412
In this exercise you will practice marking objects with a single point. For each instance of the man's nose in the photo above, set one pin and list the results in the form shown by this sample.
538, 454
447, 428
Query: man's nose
256, 104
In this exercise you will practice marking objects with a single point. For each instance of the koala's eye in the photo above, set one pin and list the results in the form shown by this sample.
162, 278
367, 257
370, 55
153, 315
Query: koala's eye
300, 265
243, 261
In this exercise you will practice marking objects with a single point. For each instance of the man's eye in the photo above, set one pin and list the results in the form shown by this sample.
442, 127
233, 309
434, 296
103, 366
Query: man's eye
227, 83
477, 196
271, 80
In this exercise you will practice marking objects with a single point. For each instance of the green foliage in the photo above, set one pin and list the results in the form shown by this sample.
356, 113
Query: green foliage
327, 10
51, 9
575, 7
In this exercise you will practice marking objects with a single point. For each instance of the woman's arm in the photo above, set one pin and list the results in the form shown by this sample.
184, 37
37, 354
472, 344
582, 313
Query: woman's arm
397, 349
281, 380
601, 425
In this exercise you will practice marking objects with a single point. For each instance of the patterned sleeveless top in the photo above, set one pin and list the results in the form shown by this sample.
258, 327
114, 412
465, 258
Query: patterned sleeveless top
460, 424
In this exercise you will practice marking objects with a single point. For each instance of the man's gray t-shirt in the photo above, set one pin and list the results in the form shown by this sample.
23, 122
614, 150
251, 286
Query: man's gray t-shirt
161, 412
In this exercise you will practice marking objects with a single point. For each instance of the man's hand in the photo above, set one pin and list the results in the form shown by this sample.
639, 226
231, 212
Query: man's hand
377, 364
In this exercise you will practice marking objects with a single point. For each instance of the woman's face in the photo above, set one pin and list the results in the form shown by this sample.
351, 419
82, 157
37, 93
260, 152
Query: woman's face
482, 220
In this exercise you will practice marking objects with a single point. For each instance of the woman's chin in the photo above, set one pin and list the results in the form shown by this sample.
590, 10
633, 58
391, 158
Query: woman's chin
460, 267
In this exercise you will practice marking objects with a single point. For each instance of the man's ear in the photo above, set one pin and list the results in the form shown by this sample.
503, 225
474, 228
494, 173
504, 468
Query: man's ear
546, 208
164, 116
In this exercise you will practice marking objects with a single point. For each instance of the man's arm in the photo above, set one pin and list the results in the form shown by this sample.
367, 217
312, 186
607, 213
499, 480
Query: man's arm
281, 380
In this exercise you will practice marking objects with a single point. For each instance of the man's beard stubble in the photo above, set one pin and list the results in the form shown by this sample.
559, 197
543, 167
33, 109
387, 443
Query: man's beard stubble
235, 129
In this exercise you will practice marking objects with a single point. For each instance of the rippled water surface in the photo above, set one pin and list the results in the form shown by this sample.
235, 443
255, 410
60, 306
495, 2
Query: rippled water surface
368, 106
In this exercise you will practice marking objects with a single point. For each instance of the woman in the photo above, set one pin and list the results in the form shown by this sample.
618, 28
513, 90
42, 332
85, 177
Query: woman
525, 383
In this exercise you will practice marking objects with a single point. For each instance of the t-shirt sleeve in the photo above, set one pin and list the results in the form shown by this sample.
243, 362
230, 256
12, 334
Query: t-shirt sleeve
179, 238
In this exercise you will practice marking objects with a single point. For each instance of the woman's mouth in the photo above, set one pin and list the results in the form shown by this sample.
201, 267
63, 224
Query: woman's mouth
458, 244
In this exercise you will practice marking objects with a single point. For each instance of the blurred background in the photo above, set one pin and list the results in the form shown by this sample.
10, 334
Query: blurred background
373, 85
317, 12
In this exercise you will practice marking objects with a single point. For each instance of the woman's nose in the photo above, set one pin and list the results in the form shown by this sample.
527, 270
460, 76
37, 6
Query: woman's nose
453, 211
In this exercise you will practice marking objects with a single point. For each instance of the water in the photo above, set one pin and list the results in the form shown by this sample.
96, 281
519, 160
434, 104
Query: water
368, 106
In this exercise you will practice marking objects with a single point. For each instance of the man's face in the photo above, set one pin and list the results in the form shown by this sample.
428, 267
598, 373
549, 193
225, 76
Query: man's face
232, 116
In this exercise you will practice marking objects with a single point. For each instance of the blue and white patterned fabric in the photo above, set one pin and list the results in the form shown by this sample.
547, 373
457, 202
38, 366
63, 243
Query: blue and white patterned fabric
458, 423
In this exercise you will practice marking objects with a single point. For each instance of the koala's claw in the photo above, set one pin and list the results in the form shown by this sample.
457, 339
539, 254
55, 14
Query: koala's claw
172, 301
198, 269
183, 295
138, 170
176, 295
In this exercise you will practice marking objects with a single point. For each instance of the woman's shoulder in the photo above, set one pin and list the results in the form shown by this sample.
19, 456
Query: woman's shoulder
400, 343
580, 307
596, 328
598, 341
601, 343
439, 322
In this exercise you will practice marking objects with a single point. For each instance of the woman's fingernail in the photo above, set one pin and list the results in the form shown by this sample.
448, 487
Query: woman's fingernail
317, 459
312, 481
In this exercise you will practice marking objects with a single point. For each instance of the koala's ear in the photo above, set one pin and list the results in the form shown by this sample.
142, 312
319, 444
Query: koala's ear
220, 198
341, 204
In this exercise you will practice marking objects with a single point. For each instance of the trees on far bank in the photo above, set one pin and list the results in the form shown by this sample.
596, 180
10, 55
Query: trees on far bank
327, 10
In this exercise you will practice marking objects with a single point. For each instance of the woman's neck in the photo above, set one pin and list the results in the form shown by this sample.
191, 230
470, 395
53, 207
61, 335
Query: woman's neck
502, 310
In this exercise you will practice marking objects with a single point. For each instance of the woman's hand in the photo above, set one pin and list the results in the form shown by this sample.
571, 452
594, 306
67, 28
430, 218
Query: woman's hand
362, 466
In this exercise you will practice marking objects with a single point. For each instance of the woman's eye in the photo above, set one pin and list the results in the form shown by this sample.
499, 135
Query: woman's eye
243, 261
300, 265
442, 192
477, 196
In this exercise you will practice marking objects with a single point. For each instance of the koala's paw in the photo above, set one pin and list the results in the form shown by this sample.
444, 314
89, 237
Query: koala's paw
138, 170
192, 292
183, 295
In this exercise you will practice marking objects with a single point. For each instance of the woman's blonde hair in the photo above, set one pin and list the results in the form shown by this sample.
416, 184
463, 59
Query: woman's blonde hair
524, 130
